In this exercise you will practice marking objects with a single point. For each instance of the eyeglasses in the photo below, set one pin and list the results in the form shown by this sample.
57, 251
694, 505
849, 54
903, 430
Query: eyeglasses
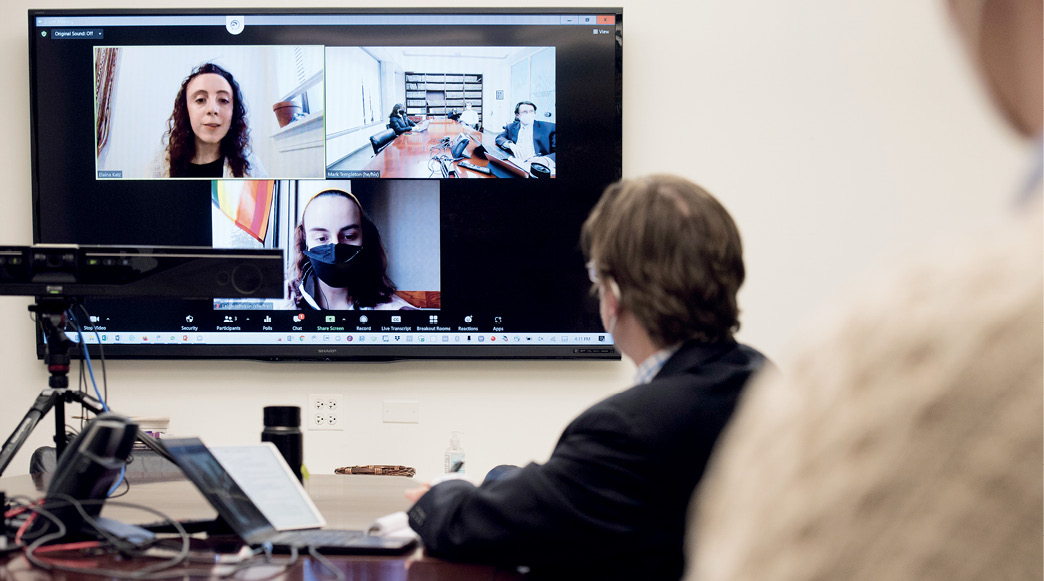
592, 274
592, 271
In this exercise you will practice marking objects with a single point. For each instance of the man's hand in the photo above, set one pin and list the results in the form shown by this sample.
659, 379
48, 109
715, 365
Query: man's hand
414, 494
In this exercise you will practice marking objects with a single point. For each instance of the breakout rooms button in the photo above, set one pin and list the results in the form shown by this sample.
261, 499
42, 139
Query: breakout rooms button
78, 33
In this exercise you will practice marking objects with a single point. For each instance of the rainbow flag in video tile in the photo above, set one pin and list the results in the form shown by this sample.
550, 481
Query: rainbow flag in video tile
248, 203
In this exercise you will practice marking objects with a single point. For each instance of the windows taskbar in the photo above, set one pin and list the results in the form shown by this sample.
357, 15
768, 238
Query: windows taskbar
320, 338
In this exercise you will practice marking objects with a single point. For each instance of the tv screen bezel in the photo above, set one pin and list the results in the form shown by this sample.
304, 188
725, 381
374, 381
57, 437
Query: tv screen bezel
320, 352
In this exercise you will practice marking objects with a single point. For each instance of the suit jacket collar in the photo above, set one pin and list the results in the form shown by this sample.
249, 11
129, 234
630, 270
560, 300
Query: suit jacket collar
694, 353
518, 124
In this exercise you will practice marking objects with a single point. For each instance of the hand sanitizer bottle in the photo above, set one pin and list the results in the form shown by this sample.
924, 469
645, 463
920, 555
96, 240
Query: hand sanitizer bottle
454, 454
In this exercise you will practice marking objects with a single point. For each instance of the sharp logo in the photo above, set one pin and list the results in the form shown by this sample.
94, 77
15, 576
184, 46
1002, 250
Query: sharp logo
328, 351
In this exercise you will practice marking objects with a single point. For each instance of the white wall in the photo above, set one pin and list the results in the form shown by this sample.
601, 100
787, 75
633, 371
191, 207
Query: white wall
408, 220
836, 132
344, 101
348, 70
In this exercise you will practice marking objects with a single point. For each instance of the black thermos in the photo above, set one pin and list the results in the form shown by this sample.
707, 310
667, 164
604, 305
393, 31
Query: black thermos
283, 428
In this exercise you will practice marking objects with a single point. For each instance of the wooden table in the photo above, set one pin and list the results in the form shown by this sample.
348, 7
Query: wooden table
410, 154
346, 501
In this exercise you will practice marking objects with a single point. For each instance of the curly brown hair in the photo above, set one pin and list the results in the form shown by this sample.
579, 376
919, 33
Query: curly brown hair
181, 141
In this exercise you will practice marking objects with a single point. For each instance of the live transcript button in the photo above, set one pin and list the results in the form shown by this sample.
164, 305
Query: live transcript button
78, 33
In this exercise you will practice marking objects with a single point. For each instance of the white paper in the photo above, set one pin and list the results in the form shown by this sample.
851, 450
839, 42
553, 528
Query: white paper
519, 162
262, 473
396, 525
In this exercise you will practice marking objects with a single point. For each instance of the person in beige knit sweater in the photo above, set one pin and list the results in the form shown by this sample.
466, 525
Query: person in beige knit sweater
904, 441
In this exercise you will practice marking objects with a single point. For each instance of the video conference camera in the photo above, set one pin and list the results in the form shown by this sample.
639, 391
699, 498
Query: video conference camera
59, 276
182, 272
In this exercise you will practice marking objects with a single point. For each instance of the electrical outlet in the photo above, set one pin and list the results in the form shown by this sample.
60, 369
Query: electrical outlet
324, 411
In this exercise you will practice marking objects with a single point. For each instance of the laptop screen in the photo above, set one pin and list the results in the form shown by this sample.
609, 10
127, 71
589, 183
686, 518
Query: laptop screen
217, 485
264, 476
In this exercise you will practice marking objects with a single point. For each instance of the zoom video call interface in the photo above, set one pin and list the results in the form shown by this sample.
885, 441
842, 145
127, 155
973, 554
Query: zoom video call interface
408, 164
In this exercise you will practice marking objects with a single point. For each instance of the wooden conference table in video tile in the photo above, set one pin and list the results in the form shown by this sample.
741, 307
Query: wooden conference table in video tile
410, 154
346, 501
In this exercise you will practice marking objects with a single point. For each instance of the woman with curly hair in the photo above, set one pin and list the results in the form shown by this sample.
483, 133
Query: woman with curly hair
207, 134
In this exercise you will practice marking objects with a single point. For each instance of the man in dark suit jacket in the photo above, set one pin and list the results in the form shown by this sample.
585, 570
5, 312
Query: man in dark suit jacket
543, 134
611, 500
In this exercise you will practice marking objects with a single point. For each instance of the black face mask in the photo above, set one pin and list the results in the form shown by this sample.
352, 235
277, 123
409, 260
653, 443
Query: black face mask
337, 265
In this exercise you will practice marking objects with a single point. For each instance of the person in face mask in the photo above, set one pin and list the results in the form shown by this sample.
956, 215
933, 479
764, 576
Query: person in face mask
469, 116
340, 261
398, 120
528, 139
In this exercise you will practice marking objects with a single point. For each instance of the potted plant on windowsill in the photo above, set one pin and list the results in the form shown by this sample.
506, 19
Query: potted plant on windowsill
285, 111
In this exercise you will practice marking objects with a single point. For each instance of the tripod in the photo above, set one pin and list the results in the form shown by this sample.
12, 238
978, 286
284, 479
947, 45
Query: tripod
50, 313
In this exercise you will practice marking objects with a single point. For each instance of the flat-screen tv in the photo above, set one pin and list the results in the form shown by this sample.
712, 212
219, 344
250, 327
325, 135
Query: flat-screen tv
406, 161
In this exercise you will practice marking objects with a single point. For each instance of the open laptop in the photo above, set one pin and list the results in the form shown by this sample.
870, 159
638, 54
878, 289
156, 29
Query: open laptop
499, 163
246, 520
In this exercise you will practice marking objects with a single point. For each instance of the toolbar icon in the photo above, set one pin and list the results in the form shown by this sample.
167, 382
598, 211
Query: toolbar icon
234, 24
